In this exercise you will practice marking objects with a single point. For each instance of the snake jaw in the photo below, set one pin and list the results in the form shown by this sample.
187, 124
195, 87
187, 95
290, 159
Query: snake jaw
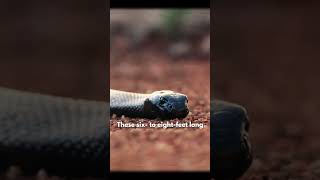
149, 108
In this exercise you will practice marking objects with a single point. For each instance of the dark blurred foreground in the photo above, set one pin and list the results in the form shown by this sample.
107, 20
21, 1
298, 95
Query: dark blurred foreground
266, 59
56, 48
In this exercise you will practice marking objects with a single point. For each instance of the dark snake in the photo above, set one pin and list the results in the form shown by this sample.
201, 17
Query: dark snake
68, 137
163, 104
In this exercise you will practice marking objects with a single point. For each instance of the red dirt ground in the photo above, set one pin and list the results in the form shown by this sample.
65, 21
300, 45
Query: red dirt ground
172, 149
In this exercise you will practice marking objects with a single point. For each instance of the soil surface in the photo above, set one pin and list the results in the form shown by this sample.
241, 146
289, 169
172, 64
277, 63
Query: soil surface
159, 149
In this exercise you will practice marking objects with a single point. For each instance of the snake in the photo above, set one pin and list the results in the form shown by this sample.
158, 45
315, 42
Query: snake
163, 104
69, 137
231, 151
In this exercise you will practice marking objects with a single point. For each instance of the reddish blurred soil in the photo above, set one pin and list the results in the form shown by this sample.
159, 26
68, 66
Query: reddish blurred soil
158, 149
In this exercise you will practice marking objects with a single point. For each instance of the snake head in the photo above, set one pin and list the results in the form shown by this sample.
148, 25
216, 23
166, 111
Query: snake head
168, 104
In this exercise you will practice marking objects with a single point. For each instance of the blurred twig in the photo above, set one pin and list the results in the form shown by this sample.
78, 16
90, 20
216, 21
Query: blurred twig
172, 21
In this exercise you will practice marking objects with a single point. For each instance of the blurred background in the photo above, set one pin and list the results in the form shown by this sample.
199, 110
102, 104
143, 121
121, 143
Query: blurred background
54, 47
158, 49
177, 33
266, 58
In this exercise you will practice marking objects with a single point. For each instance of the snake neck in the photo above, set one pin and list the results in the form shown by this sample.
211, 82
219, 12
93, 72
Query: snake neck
128, 104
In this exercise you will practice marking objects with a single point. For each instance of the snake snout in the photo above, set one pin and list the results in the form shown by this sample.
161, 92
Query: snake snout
183, 109
169, 104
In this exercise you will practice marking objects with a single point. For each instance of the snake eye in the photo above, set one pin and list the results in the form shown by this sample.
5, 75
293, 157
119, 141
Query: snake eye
163, 100
170, 106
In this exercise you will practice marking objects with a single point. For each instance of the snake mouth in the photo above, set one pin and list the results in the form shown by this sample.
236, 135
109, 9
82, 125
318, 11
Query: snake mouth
166, 115
182, 114
176, 114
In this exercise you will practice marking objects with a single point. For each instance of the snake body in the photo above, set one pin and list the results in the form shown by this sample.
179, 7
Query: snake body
231, 152
69, 137
63, 135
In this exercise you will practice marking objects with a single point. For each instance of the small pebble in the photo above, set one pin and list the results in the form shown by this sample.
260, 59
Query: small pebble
13, 173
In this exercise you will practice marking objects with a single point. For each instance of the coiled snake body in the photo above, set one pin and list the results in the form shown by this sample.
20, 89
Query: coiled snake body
62, 135
69, 137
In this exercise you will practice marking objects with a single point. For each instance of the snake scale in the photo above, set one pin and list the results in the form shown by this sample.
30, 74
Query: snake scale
68, 137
